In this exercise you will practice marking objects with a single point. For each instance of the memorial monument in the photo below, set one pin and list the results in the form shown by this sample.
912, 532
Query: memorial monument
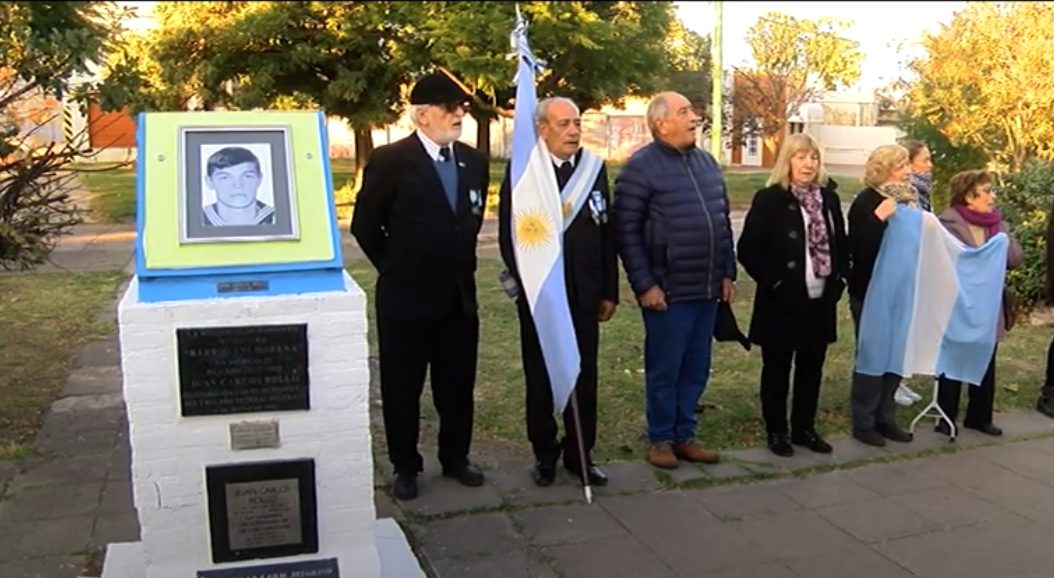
244, 352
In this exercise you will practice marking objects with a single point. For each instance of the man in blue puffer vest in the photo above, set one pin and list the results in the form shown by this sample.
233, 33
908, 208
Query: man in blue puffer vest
675, 239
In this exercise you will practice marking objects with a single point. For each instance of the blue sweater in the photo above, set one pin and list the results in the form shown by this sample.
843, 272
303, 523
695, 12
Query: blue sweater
672, 223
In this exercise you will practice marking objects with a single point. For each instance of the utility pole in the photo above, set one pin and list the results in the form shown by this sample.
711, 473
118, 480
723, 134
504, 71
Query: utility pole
718, 84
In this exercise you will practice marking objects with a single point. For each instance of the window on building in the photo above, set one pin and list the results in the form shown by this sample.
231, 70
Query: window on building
752, 146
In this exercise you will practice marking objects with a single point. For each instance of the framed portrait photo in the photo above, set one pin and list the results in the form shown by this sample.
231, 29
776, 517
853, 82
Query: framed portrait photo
236, 184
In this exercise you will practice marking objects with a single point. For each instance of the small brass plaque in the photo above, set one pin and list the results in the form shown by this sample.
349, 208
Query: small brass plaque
251, 435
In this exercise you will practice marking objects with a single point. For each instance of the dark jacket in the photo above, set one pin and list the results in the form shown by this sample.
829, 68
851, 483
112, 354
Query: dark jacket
960, 229
672, 223
424, 252
865, 239
590, 259
772, 249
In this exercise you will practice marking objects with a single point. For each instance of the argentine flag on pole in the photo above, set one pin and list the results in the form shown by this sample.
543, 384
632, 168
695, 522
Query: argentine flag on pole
537, 230
933, 303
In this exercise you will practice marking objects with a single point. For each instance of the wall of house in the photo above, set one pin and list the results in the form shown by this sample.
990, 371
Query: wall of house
850, 145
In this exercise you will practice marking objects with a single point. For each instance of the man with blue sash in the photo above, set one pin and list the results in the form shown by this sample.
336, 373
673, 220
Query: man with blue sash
591, 275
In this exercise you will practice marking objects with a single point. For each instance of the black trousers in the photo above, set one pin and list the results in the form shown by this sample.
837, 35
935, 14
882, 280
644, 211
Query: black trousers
1048, 386
982, 397
775, 384
447, 348
541, 425
871, 396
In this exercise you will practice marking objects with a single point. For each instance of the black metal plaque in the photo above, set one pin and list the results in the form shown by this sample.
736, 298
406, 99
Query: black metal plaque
242, 369
325, 568
262, 510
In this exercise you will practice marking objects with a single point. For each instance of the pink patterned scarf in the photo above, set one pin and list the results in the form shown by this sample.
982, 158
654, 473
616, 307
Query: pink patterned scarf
816, 233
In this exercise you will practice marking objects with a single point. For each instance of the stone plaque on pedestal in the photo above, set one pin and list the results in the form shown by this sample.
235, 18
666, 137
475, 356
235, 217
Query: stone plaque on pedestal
224, 370
262, 510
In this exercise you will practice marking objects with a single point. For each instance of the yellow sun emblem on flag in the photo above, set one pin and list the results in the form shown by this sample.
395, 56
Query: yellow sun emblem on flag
533, 229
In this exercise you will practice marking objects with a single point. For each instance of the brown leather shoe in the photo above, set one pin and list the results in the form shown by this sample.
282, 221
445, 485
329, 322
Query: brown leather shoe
691, 450
661, 455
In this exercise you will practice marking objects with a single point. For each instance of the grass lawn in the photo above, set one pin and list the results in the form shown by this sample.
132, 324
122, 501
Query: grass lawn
113, 191
733, 419
47, 319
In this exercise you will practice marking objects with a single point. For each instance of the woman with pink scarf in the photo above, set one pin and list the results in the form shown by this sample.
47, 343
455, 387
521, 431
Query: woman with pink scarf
794, 246
973, 219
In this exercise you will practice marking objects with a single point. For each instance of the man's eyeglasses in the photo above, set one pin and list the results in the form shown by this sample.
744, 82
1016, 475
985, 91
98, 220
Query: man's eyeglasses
452, 107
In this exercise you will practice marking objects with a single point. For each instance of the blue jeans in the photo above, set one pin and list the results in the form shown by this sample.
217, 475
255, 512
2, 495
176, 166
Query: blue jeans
677, 366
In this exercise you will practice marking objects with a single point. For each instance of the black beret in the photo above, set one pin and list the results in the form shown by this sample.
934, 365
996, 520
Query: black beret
437, 88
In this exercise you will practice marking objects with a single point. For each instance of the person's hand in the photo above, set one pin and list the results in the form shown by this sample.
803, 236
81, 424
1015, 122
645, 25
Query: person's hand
885, 209
607, 309
728, 290
653, 299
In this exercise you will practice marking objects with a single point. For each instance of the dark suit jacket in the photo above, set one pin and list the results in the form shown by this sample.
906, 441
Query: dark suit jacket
772, 249
590, 255
424, 252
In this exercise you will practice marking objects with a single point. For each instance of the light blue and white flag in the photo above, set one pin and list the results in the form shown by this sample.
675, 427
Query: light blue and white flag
933, 304
537, 230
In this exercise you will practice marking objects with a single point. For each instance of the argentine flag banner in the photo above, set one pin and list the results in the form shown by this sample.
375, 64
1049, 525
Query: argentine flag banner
933, 304
537, 231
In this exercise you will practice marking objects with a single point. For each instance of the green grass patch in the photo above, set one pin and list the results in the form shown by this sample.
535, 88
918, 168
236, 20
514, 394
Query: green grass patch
47, 319
733, 415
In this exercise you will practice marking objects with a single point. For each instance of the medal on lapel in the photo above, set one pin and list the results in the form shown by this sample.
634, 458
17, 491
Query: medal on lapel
597, 208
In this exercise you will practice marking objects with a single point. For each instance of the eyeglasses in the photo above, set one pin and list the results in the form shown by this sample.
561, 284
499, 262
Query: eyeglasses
452, 107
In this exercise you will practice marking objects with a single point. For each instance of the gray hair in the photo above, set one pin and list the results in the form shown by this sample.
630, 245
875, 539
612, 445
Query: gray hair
541, 114
416, 109
658, 110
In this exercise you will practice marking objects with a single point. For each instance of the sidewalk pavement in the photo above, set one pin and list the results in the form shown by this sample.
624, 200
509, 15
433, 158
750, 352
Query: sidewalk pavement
979, 507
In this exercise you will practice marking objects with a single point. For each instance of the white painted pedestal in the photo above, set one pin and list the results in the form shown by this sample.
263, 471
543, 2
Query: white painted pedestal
170, 452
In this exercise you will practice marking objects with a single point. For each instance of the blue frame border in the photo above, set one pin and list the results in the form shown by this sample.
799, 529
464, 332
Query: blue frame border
201, 282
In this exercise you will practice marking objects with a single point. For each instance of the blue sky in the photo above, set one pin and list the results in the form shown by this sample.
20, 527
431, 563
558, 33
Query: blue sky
878, 26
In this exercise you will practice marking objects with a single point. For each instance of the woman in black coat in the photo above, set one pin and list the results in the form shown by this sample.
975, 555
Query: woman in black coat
794, 246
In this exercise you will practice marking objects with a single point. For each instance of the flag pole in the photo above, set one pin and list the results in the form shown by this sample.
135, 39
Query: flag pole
586, 488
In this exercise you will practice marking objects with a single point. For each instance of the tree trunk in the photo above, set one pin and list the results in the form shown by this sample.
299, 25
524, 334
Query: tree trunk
363, 148
483, 132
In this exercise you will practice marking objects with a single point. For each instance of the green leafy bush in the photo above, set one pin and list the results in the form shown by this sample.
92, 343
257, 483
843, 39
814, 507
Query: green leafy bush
1025, 199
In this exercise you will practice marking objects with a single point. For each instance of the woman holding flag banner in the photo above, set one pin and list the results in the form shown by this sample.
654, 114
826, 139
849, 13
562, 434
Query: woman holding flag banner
886, 177
973, 219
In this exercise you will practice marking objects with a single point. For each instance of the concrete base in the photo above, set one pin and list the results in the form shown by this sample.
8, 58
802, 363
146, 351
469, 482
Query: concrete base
126, 559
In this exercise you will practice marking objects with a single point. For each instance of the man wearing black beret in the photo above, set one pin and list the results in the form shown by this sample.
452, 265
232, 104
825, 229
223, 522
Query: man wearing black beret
417, 218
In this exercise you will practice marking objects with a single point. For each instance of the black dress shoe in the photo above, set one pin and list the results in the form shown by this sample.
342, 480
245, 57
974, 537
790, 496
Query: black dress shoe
780, 445
989, 429
893, 432
405, 486
596, 476
467, 475
942, 427
544, 473
811, 440
869, 437
1045, 406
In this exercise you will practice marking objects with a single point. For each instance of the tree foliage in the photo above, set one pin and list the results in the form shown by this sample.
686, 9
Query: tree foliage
355, 59
986, 80
596, 53
1025, 198
796, 60
47, 49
